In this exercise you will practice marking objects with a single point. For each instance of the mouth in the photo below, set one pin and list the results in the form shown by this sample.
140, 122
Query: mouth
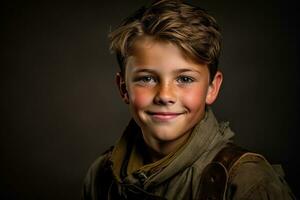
163, 116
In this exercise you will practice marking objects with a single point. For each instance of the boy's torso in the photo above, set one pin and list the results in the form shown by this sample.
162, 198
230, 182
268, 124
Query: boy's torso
187, 175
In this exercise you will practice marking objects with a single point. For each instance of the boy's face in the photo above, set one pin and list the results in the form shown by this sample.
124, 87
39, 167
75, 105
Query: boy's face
166, 92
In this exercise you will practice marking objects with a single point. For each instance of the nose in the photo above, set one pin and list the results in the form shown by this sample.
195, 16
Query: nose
165, 94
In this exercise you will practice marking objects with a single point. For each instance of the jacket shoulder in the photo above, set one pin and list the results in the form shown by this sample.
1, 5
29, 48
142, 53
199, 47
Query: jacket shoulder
98, 177
238, 173
253, 177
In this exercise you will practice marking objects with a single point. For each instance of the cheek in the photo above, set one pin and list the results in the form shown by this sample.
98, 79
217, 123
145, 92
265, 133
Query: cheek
194, 99
140, 97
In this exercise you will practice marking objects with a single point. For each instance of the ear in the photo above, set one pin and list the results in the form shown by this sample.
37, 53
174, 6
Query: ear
120, 81
214, 87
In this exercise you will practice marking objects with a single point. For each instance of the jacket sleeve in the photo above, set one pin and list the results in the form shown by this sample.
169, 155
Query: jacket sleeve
255, 178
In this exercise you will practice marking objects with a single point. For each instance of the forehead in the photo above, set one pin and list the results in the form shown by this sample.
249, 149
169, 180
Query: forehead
148, 52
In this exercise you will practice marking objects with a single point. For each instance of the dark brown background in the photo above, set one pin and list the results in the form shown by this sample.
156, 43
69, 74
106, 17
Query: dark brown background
60, 108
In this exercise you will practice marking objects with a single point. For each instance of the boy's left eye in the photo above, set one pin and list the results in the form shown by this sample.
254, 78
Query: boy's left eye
185, 79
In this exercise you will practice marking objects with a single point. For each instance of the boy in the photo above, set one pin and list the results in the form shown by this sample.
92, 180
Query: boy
174, 148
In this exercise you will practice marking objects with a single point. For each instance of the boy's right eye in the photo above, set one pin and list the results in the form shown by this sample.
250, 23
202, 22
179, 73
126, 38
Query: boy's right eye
145, 80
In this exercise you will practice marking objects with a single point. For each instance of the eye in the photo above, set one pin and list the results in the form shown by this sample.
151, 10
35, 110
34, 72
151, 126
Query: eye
146, 80
185, 79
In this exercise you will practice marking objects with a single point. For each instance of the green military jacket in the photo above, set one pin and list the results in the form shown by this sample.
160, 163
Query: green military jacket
192, 172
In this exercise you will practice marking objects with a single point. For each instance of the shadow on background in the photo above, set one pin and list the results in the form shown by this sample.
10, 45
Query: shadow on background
60, 108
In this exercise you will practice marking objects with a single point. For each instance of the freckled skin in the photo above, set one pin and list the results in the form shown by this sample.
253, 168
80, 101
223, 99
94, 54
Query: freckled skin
166, 93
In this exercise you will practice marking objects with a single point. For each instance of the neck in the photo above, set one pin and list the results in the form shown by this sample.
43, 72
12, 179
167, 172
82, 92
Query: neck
159, 149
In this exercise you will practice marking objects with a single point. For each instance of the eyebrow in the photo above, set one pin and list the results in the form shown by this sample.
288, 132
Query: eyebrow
144, 70
175, 71
186, 70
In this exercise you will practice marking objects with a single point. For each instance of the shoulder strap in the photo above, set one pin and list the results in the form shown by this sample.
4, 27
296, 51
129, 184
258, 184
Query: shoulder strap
229, 155
214, 178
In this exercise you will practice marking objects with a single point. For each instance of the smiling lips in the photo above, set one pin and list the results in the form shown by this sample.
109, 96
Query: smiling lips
163, 116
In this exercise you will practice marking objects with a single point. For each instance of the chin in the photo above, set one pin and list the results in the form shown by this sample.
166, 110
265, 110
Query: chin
166, 134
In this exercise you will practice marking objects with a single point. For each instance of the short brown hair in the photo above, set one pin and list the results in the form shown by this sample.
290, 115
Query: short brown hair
189, 27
